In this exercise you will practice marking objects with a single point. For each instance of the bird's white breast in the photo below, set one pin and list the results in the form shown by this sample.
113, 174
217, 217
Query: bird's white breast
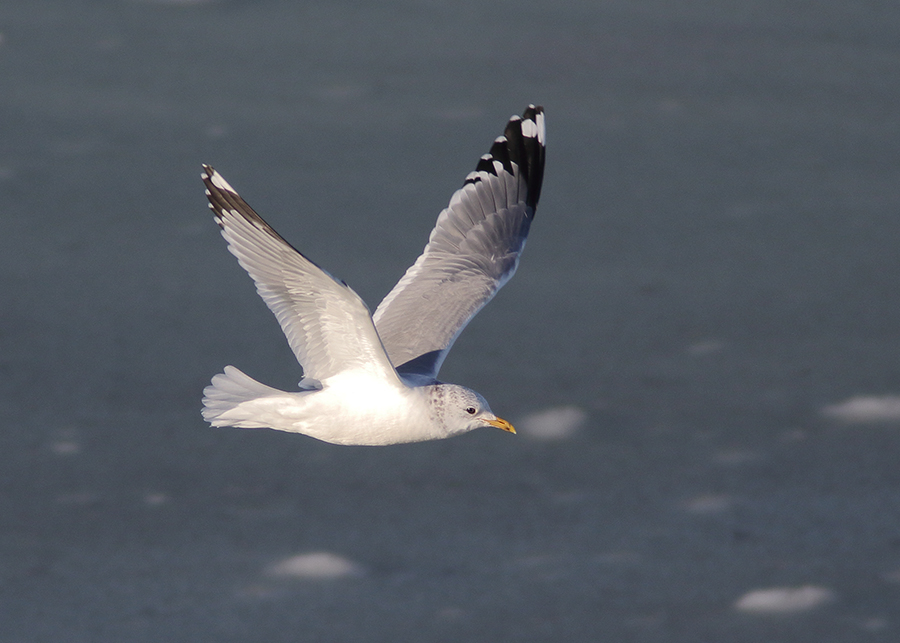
356, 408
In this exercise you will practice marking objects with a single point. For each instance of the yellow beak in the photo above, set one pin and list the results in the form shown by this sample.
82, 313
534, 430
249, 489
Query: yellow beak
501, 424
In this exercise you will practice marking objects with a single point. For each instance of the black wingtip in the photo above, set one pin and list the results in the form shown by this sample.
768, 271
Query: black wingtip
522, 145
224, 200
527, 149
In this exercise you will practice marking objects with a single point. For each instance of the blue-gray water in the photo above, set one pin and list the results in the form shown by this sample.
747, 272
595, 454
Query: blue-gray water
702, 344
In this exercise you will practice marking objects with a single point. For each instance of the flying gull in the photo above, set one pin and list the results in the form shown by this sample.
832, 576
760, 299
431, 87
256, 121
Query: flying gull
372, 379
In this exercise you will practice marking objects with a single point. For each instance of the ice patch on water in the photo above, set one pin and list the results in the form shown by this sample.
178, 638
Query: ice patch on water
708, 503
320, 565
706, 347
65, 447
552, 424
155, 499
865, 408
784, 600
65, 442
732, 457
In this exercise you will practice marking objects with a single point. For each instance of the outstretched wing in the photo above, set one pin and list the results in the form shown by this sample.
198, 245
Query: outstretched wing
327, 325
473, 250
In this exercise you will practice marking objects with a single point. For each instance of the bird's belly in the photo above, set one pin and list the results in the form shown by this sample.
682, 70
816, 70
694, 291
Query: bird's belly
360, 411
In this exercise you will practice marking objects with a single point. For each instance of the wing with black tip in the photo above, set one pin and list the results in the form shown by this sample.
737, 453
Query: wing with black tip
472, 252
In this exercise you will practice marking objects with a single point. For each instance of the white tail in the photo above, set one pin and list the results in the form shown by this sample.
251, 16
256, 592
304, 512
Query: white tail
228, 391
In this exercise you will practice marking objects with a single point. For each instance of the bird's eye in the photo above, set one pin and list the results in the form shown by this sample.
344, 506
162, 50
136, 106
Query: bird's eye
471, 410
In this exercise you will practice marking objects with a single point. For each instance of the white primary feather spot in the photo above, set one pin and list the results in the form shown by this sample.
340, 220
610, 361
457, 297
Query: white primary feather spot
221, 183
529, 129
540, 127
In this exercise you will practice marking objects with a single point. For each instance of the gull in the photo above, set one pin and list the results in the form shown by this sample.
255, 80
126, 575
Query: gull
372, 379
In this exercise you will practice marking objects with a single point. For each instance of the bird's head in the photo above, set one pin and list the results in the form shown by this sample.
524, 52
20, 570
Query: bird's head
461, 409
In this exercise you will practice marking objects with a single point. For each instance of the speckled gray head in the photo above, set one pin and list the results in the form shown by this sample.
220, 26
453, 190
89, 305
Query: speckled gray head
459, 409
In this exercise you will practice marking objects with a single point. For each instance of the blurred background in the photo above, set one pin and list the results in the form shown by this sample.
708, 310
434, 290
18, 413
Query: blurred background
700, 348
